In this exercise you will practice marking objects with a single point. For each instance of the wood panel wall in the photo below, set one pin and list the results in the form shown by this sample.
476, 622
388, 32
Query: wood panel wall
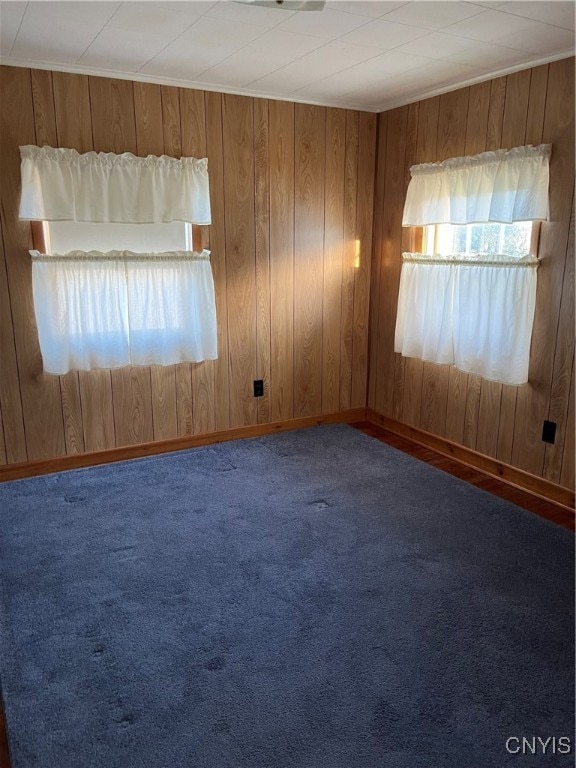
291, 241
504, 422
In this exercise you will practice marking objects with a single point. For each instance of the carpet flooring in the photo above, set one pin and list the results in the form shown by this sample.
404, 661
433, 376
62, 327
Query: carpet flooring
312, 599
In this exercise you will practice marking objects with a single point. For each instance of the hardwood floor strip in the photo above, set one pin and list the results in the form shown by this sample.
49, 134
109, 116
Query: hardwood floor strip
76, 461
505, 473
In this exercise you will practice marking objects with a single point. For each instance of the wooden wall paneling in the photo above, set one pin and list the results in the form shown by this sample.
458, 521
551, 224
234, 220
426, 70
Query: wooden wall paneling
172, 133
533, 399
2, 442
333, 249
213, 120
490, 391
363, 255
150, 141
406, 244
476, 128
238, 143
537, 104
428, 113
451, 142
563, 365
567, 473
262, 243
281, 115
72, 97
10, 398
40, 393
513, 135
46, 134
376, 255
194, 139
193, 132
348, 258
391, 260
309, 132
43, 105
114, 130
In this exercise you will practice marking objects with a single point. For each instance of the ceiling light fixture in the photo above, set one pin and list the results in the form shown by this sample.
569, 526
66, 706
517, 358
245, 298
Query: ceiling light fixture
288, 5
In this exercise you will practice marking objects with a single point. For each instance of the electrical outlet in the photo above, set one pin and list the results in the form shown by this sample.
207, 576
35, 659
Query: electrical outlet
258, 387
549, 432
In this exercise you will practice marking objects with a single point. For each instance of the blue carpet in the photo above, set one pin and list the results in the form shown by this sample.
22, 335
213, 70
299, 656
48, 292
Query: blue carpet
312, 599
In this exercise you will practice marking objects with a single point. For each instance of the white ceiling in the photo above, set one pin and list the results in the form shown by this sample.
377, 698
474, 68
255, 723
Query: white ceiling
362, 54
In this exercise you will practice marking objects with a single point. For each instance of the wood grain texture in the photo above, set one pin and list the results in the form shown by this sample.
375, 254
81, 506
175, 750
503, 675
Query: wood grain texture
2, 441
563, 366
333, 250
568, 463
193, 144
513, 135
72, 96
48, 466
252, 240
390, 256
238, 142
281, 260
363, 256
377, 225
476, 129
542, 498
349, 258
309, 137
40, 393
490, 391
533, 400
213, 120
441, 384
407, 244
150, 141
114, 130
172, 140
452, 143
10, 398
46, 134
428, 113
262, 245
504, 423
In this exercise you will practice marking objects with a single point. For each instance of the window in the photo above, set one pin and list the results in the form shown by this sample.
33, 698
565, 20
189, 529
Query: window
468, 286
116, 282
515, 240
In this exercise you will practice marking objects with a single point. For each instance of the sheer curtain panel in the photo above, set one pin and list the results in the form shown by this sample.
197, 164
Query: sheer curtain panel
473, 310
472, 313
96, 310
120, 307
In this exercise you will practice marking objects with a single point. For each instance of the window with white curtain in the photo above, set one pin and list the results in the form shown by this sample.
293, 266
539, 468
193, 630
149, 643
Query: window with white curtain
468, 298
118, 283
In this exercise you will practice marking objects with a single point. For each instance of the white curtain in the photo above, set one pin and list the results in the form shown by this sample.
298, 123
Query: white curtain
474, 313
63, 185
503, 186
96, 310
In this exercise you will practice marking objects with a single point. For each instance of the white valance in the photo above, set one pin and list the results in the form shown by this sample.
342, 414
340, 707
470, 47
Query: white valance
502, 186
107, 310
63, 185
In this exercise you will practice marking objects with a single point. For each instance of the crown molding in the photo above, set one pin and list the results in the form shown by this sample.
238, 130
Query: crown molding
385, 106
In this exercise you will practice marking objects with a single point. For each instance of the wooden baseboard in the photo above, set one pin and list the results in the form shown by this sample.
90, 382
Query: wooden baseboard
76, 461
518, 478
